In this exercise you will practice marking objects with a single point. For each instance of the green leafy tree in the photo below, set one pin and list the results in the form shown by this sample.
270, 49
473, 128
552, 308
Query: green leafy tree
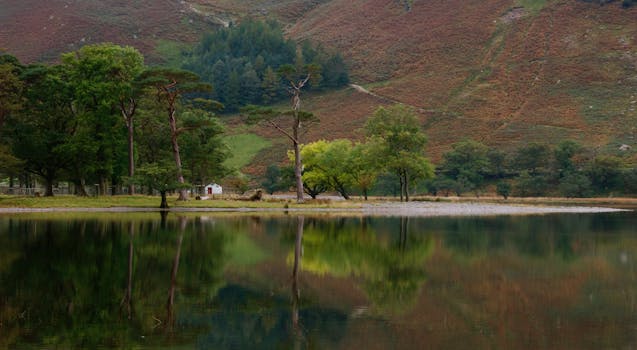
532, 162
40, 132
250, 86
329, 163
234, 93
630, 181
170, 85
271, 85
363, 167
241, 61
9, 164
161, 177
563, 155
498, 164
401, 145
203, 147
442, 185
152, 133
314, 184
532, 158
315, 180
103, 77
531, 185
605, 173
220, 75
240, 183
575, 184
503, 189
467, 162
10, 87
11, 90
273, 179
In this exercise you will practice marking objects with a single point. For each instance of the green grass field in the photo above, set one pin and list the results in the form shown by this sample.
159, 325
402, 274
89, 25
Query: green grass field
154, 201
244, 147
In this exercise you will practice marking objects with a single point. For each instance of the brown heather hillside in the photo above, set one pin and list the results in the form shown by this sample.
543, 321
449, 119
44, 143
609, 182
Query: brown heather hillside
492, 71
504, 72
39, 30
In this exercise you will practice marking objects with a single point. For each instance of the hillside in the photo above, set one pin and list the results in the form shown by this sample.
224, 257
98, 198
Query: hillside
35, 30
492, 70
503, 72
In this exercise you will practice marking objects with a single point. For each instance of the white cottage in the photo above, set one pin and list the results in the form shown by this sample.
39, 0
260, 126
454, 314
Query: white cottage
213, 189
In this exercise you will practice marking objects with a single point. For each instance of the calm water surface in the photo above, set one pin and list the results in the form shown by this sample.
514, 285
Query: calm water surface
320, 282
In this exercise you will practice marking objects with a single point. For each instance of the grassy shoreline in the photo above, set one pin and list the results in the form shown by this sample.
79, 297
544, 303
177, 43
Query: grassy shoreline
154, 201
140, 201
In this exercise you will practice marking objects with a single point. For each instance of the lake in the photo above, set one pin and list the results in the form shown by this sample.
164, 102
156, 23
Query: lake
319, 281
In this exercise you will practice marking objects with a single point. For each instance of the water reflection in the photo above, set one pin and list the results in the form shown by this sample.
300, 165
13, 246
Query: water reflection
296, 292
127, 300
148, 281
170, 305
390, 264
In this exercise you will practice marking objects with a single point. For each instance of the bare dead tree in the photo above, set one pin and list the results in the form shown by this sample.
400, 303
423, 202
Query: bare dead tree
298, 121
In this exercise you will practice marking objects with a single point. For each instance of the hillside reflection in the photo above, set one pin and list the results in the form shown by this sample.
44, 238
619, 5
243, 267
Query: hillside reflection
234, 282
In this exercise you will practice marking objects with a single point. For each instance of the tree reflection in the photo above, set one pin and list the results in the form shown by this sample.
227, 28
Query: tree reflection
99, 281
68, 287
255, 318
127, 300
170, 305
558, 236
391, 268
296, 293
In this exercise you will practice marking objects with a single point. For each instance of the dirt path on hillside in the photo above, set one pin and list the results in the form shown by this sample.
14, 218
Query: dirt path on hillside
388, 100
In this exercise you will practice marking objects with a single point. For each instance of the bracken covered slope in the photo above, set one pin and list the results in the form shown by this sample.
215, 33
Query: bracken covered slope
38, 30
503, 72
493, 70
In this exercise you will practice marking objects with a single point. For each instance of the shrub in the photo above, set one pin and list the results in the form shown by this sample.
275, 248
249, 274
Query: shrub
503, 189
630, 181
531, 185
575, 185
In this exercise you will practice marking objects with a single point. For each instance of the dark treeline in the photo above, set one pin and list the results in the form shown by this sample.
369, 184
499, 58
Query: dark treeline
242, 62
567, 169
102, 119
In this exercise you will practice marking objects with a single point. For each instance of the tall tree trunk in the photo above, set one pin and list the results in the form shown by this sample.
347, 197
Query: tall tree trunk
131, 158
128, 112
341, 189
298, 176
175, 144
170, 305
49, 186
402, 186
365, 193
80, 189
298, 166
406, 186
102, 185
164, 202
